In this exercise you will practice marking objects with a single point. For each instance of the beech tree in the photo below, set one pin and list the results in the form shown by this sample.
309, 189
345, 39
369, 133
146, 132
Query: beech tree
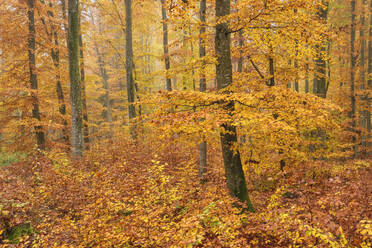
235, 178
203, 83
129, 67
168, 80
77, 141
40, 137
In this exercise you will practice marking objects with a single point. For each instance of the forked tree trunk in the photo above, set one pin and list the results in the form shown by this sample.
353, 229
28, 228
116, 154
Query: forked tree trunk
75, 88
235, 178
40, 136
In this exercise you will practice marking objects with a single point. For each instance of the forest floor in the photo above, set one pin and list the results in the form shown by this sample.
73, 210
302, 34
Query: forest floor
140, 197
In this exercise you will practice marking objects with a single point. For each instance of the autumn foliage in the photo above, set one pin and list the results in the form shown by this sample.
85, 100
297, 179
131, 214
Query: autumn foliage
184, 123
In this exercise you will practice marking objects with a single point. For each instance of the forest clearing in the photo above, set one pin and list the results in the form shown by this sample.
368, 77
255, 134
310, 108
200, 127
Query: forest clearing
183, 123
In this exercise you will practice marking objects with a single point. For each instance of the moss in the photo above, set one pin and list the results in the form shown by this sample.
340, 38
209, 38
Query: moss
10, 158
15, 233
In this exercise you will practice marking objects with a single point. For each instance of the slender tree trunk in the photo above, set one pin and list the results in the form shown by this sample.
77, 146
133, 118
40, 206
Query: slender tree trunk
103, 72
363, 111
241, 45
271, 70
320, 77
55, 54
307, 78
203, 83
40, 136
83, 91
129, 67
77, 141
235, 178
369, 84
352, 76
296, 86
165, 46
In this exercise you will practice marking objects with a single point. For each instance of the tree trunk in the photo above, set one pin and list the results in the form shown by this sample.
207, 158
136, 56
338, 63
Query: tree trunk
40, 137
83, 91
75, 91
103, 72
165, 46
363, 111
369, 84
235, 178
320, 76
203, 83
307, 78
241, 58
129, 67
271, 70
352, 76
55, 52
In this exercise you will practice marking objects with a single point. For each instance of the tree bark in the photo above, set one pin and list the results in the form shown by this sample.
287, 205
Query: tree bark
203, 83
320, 76
307, 78
369, 84
271, 70
83, 91
55, 55
363, 111
129, 67
40, 136
234, 173
352, 76
241, 45
165, 46
75, 83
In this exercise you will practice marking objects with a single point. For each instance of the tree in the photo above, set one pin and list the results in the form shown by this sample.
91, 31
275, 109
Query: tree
75, 80
40, 137
165, 46
352, 75
203, 84
129, 66
234, 173
55, 55
320, 78
83, 88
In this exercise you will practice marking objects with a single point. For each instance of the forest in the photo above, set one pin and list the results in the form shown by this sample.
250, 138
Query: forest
185, 123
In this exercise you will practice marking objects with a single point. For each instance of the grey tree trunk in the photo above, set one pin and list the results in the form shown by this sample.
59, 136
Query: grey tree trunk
320, 77
129, 67
165, 46
364, 110
307, 78
75, 83
83, 91
352, 76
40, 136
203, 83
235, 178
241, 58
